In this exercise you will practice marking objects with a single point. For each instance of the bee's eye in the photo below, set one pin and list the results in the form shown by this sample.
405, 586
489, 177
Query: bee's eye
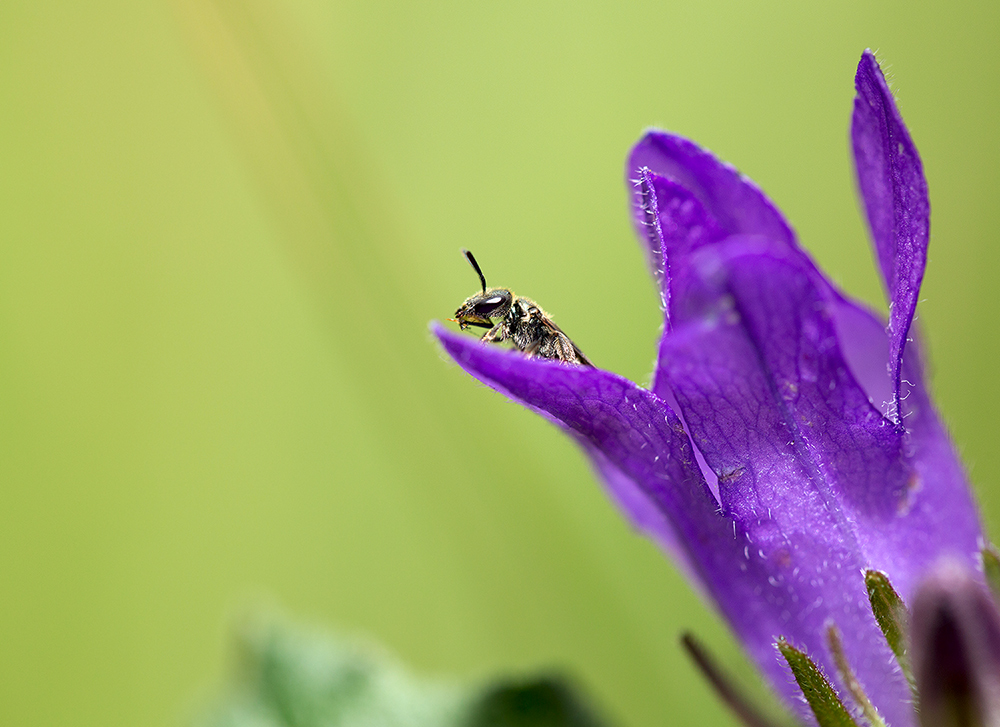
486, 307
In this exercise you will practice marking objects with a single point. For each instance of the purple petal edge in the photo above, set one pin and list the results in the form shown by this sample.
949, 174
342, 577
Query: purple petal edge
733, 202
635, 442
675, 224
891, 181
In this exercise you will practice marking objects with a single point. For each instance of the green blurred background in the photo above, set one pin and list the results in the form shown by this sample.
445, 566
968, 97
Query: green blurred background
224, 227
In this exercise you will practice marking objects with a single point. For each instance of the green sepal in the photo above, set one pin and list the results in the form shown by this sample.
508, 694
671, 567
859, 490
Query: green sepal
746, 711
849, 680
892, 617
991, 569
823, 700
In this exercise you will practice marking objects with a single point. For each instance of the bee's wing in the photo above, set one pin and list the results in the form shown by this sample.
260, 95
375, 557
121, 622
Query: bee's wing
551, 327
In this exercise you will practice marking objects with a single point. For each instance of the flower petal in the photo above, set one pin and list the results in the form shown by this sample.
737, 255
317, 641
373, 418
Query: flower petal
634, 439
941, 516
805, 462
891, 180
769, 580
865, 345
760, 358
734, 203
675, 224
767, 369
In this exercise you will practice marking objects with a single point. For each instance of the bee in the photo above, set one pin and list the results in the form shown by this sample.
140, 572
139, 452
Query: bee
521, 322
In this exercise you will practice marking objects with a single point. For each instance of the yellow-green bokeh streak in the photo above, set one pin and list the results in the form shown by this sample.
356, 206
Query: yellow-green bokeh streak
223, 227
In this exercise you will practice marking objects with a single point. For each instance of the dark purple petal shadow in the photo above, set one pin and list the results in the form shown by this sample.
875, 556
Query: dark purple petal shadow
955, 649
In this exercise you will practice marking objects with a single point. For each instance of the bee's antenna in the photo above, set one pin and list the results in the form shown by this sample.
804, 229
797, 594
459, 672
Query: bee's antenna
475, 266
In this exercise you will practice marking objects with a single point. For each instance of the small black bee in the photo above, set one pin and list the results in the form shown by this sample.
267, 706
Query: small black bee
522, 322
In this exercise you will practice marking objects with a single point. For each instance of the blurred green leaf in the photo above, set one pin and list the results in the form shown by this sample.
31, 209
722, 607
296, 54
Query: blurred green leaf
288, 678
545, 701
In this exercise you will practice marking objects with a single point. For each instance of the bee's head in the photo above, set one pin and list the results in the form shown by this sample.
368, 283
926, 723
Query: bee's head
481, 307
478, 309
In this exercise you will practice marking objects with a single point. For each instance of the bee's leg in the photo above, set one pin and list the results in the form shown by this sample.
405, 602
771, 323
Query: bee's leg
494, 335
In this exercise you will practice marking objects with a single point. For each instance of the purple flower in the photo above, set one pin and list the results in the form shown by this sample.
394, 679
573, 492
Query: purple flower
788, 441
